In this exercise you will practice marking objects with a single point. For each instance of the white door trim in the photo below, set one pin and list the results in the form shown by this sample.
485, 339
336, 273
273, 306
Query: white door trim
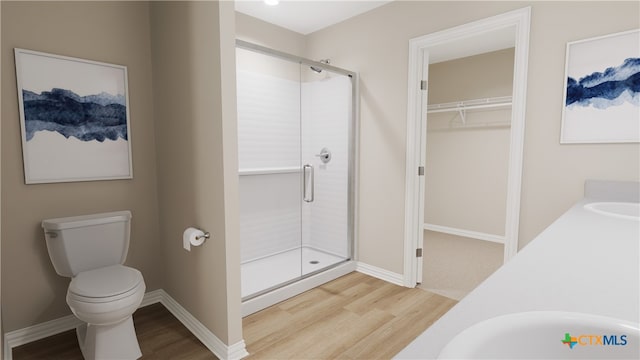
416, 122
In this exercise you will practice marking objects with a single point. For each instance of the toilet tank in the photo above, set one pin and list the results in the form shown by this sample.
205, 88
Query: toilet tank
82, 243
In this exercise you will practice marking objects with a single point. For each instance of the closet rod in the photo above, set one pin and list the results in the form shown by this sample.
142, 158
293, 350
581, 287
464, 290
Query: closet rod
470, 104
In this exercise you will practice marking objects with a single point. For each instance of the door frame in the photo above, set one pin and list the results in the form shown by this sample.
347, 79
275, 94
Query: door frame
416, 126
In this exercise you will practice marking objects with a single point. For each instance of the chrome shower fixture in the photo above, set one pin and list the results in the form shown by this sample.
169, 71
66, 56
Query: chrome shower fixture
319, 70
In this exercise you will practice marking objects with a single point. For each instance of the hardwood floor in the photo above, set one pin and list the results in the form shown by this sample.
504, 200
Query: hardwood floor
160, 334
353, 317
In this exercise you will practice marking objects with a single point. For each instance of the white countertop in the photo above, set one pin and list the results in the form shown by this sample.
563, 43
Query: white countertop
583, 262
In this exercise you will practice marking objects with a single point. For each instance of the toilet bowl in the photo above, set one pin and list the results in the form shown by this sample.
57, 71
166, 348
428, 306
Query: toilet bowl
104, 299
103, 293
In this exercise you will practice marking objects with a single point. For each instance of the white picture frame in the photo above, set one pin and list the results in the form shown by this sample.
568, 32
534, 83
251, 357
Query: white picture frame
74, 117
598, 105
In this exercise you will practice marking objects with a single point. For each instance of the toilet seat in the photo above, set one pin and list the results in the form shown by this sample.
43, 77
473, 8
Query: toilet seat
106, 284
107, 295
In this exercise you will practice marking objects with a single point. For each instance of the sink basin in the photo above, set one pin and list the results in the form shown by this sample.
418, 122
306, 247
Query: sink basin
546, 335
623, 210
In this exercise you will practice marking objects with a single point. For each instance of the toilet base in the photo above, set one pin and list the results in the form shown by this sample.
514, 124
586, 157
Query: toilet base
108, 342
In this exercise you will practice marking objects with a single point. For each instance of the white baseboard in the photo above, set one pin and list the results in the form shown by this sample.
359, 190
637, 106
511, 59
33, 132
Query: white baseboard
40, 331
36, 332
219, 348
380, 273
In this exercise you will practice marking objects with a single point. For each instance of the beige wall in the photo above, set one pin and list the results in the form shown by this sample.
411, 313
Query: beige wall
112, 32
194, 91
271, 36
261, 33
229, 138
194, 124
554, 174
376, 45
1, 323
258, 32
472, 77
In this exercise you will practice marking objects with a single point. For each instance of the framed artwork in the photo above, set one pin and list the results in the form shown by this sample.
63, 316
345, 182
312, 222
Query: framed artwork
74, 115
602, 90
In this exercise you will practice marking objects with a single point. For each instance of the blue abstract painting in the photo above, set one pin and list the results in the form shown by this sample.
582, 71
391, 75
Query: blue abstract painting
75, 118
602, 90
93, 117
611, 87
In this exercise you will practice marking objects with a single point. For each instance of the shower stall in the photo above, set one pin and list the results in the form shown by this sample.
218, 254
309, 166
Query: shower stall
296, 173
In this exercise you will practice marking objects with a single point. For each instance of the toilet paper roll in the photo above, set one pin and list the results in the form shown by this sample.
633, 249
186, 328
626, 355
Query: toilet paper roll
192, 236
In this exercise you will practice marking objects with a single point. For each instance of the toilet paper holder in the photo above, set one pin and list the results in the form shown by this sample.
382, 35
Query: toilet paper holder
206, 236
194, 237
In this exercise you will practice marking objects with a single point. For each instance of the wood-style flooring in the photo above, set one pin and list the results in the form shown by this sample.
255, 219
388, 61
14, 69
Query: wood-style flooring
160, 334
353, 317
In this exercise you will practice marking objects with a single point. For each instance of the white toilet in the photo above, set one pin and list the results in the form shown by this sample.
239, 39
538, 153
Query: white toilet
103, 293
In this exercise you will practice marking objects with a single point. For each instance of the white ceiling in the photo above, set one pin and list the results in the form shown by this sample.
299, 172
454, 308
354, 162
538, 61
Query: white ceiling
306, 16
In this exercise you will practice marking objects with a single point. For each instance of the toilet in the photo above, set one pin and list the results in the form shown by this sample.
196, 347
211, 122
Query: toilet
103, 293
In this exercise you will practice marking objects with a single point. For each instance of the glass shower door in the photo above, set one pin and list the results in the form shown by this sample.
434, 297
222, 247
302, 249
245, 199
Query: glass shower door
326, 120
294, 157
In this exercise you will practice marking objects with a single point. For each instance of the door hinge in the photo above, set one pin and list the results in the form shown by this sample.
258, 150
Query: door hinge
423, 84
420, 170
419, 253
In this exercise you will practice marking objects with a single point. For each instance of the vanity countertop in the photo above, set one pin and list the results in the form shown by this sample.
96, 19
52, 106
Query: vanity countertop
584, 262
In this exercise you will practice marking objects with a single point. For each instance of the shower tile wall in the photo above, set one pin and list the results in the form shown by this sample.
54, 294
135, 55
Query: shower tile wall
325, 112
269, 214
269, 137
268, 121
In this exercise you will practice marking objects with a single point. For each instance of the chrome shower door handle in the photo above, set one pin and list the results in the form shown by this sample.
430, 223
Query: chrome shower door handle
307, 183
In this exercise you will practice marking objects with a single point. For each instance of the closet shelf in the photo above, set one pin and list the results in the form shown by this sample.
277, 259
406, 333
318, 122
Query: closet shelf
269, 171
486, 103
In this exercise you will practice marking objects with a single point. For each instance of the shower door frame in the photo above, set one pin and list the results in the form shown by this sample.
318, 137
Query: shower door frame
254, 303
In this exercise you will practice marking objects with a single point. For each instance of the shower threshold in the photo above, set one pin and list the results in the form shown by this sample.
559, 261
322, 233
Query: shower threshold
270, 280
294, 287
271, 271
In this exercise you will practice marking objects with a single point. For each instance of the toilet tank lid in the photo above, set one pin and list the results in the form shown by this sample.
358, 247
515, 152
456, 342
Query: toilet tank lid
86, 220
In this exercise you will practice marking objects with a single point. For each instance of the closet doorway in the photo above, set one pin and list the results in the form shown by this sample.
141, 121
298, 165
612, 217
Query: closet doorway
464, 153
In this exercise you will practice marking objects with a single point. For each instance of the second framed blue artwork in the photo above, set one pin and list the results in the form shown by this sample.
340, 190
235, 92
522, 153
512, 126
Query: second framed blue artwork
74, 115
602, 90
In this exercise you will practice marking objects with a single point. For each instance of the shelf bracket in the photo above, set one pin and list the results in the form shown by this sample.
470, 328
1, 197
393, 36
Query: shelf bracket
463, 115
